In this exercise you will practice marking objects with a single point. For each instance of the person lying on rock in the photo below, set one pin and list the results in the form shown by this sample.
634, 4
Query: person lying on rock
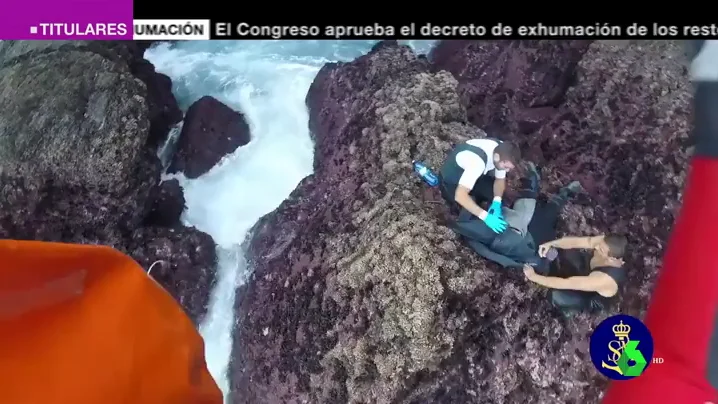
529, 224
588, 274
475, 172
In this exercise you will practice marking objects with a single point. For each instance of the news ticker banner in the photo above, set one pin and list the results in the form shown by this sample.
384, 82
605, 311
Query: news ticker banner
117, 20
222, 29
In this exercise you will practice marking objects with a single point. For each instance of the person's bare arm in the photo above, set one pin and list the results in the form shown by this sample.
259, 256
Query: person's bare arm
567, 243
463, 198
589, 283
499, 188
473, 170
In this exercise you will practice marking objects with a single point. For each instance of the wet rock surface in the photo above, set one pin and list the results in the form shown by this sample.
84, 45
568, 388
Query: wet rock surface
360, 292
211, 130
184, 261
163, 109
78, 162
510, 88
167, 205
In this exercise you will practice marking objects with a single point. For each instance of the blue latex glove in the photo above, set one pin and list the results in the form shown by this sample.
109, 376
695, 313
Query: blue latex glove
495, 208
495, 223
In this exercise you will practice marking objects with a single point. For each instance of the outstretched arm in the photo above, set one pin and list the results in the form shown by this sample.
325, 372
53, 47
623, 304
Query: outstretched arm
589, 283
567, 243
682, 315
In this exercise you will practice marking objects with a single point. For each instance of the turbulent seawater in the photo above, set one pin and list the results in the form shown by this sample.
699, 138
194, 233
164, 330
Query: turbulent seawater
268, 82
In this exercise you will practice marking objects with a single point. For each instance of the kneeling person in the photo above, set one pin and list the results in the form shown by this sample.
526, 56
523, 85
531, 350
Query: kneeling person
475, 171
602, 256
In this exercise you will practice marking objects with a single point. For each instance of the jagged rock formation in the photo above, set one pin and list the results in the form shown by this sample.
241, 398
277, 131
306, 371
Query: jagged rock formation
78, 136
210, 131
510, 87
361, 294
168, 204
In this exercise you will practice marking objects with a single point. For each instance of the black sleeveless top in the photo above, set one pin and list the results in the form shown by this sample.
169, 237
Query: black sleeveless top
596, 302
577, 262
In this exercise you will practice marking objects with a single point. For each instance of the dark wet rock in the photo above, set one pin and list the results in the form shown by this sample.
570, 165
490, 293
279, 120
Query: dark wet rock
76, 164
163, 109
510, 88
36, 205
184, 261
144, 45
360, 292
168, 204
210, 131
79, 130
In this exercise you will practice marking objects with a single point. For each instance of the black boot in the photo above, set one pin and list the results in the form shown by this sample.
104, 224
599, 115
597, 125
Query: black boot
530, 183
567, 192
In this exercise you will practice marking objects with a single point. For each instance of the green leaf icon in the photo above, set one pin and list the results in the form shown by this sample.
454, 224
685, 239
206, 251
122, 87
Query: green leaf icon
631, 352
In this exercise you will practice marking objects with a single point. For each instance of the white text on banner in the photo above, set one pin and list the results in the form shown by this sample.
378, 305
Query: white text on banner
170, 30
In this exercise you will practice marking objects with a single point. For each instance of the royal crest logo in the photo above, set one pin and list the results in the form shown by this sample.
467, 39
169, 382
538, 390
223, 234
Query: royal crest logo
621, 347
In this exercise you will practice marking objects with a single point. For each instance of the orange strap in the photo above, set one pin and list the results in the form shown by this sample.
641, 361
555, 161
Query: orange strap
85, 325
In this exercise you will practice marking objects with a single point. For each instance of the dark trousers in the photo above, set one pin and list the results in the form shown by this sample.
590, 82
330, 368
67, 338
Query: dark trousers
482, 191
570, 300
543, 223
542, 228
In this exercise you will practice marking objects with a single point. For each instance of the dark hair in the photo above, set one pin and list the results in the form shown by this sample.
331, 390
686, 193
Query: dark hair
616, 245
508, 152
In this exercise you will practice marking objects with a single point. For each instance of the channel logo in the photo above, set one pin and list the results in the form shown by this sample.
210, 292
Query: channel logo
622, 347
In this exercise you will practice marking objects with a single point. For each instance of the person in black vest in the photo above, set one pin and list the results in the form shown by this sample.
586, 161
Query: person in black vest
474, 172
596, 264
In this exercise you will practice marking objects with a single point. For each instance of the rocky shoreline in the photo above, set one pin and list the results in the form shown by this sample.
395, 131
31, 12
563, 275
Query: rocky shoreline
80, 124
360, 292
